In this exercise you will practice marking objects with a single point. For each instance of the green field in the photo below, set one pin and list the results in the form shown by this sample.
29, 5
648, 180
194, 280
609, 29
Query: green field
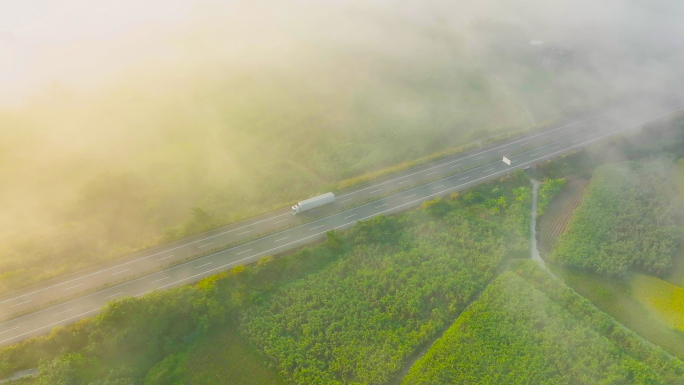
349, 310
529, 328
627, 219
662, 298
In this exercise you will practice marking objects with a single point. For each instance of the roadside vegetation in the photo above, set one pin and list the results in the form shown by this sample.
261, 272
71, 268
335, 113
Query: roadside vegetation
627, 219
528, 327
351, 309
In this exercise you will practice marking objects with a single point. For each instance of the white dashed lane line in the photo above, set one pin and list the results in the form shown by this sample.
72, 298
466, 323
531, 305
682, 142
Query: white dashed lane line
72, 287
281, 239
161, 259
160, 279
119, 272
242, 252
62, 312
114, 295
206, 264
21, 303
10, 330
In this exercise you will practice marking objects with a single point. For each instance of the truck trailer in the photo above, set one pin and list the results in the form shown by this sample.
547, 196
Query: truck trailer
312, 203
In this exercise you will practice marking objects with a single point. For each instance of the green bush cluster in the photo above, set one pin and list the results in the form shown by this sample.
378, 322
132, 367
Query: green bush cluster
529, 328
628, 218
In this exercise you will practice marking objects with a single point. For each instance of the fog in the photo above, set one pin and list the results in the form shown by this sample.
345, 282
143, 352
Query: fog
118, 117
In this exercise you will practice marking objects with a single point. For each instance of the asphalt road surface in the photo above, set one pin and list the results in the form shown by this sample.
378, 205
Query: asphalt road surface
35, 310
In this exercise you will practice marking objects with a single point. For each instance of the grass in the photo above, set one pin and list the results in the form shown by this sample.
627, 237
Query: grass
529, 328
662, 298
226, 358
614, 296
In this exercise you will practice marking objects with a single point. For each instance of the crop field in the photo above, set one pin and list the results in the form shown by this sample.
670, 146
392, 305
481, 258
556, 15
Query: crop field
614, 296
554, 221
628, 219
226, 358
529, 328
662, 298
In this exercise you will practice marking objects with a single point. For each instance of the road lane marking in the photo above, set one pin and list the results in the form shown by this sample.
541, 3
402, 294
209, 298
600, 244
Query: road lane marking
19, 304
145, 257
317, 227
465, 177
62, 312
204, 245
47, 326
480, 157
456, 165
411, 196
281, 239
248, 231
10, 330
347, 217
524, 140
387, 210
256, 240
208, 263
346, 200
406, 181
160, 279
204, 273
119, 272
489, 169
271, 218
114, 295
245, 251
434, 172
441, 185
373, 192
534, 153
384, 204
553, 148
275, 223
69, 288
160, 259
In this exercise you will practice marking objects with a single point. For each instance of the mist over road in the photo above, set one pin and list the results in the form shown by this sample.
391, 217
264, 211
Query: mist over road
146, 272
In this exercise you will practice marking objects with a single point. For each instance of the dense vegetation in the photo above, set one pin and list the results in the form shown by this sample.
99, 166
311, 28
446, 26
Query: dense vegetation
628, 218
358, 320
379, 290
529, 328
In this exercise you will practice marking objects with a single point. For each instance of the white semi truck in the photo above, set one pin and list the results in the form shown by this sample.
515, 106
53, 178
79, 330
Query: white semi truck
312, 203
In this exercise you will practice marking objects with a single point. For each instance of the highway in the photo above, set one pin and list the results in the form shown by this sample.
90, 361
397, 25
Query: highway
35, 310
